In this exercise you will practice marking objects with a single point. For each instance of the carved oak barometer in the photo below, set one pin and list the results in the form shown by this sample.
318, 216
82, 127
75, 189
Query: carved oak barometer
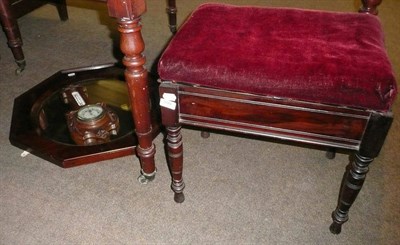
88, 124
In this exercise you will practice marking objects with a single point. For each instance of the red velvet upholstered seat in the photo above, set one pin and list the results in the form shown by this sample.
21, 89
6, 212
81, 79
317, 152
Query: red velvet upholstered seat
315, 56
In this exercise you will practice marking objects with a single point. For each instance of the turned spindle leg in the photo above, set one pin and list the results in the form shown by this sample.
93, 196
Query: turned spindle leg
132, 46
370, 6
331, 153
372, 142
128, 13
352, 183
205, 134
11, 29
62, 9
175, 156
171, 10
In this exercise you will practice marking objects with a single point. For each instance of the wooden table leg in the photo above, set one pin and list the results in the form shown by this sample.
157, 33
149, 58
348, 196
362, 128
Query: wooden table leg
11, 29
128, 13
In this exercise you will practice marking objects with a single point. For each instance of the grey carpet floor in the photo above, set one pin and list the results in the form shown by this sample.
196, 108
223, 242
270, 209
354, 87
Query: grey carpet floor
238, 190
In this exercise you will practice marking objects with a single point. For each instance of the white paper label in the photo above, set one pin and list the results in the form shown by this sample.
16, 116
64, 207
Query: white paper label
78, 98
168, 104
169, 96
25, 153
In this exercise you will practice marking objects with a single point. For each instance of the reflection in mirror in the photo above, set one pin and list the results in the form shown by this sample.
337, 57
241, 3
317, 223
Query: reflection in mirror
112, 92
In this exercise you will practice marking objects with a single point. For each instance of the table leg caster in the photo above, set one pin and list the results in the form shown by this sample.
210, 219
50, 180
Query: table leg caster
145, 178
21, 66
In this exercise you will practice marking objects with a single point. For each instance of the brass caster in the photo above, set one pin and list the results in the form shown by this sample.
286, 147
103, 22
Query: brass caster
21, 67
145, 178
173, 29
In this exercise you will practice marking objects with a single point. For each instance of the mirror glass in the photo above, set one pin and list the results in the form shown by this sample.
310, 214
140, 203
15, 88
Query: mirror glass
112, 92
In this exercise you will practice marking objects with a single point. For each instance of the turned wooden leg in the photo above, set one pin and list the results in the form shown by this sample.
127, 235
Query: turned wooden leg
175, 157
352, 183
62, 9
371, 144
331, 153
132, 46
170, 118
11, 29
205, 134
171, 10
370, 6
128, 13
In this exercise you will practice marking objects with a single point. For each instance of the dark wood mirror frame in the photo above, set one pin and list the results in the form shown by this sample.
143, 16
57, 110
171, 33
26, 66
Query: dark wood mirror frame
27, 134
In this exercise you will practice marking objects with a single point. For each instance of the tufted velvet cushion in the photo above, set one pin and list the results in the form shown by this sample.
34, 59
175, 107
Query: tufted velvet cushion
315, 56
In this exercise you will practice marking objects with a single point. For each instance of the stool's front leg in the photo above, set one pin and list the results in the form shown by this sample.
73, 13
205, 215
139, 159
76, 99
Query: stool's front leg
353, 182
128, 13
170, 119
175, 157
371, 144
